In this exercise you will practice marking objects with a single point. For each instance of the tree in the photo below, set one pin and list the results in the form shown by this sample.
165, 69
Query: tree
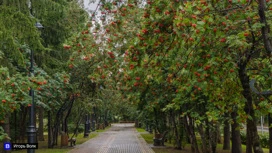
194, 48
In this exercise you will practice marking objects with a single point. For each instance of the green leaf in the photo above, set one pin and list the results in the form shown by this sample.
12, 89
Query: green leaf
200, 22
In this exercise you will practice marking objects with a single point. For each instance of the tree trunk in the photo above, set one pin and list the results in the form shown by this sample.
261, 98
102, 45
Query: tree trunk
55, 134
214, 136
218, 131
41, 129
203, 139
49, 127
249, 144
208, 137
270, 132
252, 133
65, 122
252, 129
236, 146
22, 124
181, 129
105, 118
265, 28
176, 133
190, 129
78, 123
15, 127
6, 127
226, 145
194, 142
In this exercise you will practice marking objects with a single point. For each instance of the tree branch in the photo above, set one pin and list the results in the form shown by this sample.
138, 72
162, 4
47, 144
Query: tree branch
265, 28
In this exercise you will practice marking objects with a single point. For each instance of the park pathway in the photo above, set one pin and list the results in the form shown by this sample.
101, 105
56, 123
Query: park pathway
120, 138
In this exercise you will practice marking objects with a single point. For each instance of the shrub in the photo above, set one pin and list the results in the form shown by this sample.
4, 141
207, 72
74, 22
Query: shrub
243, 137
72, 127
264, 139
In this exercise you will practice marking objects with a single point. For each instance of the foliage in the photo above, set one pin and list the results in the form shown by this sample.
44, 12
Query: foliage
19, 37
264, 139
72, 128
3, 135
181, 57
168, 63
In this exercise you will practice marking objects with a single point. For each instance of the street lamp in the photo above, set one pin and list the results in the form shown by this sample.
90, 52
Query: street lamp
31, 130
38, 25
87, 125
93, 119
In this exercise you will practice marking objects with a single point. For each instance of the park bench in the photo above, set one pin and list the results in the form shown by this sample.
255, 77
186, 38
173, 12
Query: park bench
160, 139
72, 141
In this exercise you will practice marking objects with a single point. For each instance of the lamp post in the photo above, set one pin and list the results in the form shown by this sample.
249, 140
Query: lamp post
86, 130
31, 129
150, 129
89, 124
93, 119
146, 125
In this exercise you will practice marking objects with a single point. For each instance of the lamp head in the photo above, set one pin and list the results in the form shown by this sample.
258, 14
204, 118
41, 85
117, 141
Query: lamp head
38, 25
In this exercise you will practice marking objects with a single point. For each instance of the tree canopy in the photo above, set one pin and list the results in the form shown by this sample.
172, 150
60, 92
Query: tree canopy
185, 66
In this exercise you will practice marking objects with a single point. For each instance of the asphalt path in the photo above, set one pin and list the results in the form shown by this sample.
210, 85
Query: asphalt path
120, 138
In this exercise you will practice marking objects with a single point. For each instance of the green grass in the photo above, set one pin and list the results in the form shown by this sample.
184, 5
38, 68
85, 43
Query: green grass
103, 130
140, 130
80, 138
58, 149
170, 148
148, 138
46, 150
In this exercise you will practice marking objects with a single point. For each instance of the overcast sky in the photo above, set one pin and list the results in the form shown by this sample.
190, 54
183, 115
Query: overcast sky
91, 6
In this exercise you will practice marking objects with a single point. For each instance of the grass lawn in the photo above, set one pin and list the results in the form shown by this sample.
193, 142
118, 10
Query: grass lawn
170, 148
58, 149
140, 130
103, 130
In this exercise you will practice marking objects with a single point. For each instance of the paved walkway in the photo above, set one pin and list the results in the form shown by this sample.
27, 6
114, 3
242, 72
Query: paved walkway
120, 138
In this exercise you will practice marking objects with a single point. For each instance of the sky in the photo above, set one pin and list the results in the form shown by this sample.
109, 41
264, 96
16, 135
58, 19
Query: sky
90, 6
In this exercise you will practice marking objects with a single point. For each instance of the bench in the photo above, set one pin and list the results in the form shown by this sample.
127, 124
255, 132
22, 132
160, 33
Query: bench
159, 141
72, 141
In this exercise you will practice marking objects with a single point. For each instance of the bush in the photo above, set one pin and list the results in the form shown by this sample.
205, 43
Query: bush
3, 135
264, 139
72, 127
243, 137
